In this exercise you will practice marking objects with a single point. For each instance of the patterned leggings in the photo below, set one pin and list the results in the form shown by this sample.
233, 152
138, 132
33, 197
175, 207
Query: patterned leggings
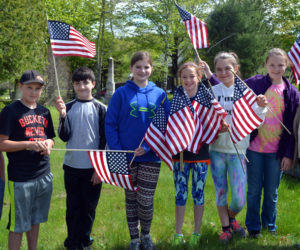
139, 204
221, 165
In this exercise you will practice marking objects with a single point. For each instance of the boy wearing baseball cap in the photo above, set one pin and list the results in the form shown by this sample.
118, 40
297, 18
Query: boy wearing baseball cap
26, 134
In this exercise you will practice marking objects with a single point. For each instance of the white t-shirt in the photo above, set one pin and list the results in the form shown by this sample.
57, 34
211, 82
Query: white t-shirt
223, 143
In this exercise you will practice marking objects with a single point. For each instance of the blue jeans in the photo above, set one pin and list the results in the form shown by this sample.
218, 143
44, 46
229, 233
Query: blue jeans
263, 173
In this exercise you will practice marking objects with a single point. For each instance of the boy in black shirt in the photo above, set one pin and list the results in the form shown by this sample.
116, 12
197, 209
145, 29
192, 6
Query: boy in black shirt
26, 134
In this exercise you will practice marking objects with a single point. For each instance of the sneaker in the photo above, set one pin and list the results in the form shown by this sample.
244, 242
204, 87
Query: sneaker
237, 229
135, 245
226, 236
146, 242
255, 234
195, 239
178, 240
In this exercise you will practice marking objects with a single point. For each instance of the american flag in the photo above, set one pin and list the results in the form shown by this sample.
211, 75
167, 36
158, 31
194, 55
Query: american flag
244, 119
155, 136
67, 41
195, 27
209, 114
181, 125
294, 55
112, 168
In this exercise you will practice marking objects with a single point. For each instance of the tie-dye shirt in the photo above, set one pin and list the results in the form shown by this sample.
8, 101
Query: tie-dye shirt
269, 133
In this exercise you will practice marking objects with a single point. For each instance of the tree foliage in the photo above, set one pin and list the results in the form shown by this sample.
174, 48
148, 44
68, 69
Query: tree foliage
240, 26
23, 32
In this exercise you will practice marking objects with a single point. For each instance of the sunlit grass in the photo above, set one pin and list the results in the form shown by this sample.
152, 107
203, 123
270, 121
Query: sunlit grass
110, 228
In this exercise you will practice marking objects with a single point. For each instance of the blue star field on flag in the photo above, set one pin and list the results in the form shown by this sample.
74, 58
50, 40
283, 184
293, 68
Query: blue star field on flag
117, 163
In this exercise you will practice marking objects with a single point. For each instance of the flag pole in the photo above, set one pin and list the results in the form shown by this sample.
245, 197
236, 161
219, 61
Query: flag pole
98, 150
54, 63
269, 108
291, 76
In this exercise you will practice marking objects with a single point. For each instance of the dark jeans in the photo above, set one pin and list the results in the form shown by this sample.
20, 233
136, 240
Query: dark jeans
263, 174
82, 200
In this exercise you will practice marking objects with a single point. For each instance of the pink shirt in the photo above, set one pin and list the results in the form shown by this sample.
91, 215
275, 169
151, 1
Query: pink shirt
269, 133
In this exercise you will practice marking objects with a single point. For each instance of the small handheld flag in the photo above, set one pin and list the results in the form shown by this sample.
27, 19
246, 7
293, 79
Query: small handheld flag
294, 55
244, 119
195, 28
181, 124
112, 168
67, 41
209, 113
155, 136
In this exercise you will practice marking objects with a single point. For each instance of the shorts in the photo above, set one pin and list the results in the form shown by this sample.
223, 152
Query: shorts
30, 203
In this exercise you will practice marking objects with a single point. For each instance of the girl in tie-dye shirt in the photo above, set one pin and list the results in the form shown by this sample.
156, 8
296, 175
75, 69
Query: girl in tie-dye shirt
271, 148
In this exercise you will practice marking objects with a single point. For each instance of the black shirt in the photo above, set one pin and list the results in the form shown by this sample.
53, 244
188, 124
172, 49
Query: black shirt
21, 123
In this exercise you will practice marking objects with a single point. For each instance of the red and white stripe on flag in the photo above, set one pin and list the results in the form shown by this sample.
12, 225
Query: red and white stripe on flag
244, 119
294, 55
196, 141
156, 140
198, 32
67, 41
211, 120
101, 166
180, 129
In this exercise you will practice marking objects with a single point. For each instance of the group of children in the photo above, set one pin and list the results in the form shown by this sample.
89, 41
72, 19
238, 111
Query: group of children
26, 134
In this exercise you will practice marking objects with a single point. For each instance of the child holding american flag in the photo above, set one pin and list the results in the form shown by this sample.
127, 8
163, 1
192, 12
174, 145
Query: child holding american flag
224, 158
271, 149
196, 163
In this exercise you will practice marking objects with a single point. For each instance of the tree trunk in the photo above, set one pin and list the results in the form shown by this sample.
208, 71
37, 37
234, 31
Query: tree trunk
100, 53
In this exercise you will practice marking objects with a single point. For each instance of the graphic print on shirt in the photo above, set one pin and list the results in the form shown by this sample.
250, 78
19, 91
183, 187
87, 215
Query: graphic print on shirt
225, 101
34, 127
136, 108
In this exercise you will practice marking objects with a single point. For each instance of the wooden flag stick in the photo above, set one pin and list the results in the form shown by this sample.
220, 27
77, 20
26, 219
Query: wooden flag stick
181, 161
134, 152
238, 153
84, 150
54, 64
269, 108
291, 76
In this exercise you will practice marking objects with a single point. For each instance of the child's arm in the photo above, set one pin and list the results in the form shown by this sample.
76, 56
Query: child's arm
61, 107
64, 129
102, 113
7, 145
260, 106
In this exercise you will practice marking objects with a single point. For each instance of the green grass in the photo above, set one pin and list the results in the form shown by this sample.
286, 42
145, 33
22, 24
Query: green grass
110, 228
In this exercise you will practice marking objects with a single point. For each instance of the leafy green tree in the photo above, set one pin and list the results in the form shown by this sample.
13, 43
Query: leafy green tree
284, 17
240, 26
23, 32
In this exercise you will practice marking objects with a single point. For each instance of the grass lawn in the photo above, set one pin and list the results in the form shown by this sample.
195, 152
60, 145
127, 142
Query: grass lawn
110, 228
